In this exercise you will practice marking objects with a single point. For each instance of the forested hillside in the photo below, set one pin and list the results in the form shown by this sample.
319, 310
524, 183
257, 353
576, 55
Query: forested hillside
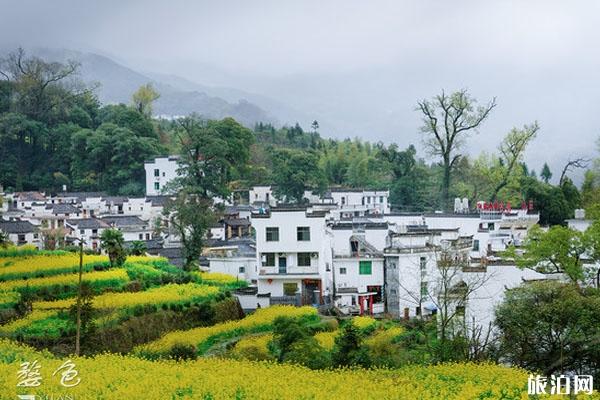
55, 132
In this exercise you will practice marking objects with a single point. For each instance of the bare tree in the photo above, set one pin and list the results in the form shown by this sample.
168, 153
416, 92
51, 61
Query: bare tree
33, 79
571, 165
511, 150
447, 121
454, 285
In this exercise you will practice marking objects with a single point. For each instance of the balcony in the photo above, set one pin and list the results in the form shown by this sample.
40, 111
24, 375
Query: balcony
289, 272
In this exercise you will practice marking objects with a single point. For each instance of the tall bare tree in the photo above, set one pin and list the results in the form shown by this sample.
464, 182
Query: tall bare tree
34, 79
447, 122
571, 165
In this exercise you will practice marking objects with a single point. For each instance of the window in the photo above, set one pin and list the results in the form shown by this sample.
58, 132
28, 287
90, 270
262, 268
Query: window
163, 174
460, 311
304, 259
82, 231
241, 270
94, 231
290, 289
35, 235
21, 238
303, 233
476, 245
368, 199
343, 271
424, 289
364, 267
423, 266
268, 259
272, 234
381, 199
147, 236
156, 186
141, 235
156, 172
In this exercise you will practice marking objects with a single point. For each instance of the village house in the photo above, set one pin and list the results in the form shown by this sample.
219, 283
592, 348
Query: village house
236, 257
293, 255
358, 265
88, 229
21, 232
159, 172
53, 216
132, 227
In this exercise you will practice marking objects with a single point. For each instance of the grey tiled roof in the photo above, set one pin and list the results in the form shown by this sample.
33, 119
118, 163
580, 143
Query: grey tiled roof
30, 196
88, 223
62, 208
124, 220
17, 227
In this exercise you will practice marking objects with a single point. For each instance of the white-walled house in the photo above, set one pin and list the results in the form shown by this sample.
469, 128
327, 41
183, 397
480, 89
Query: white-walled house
133, 227
233, 257
53, 216
293, 254
159, 172
579, 223
495, 279
262, 194
88, 229
360, 202
358, 266
21, 232
411, 267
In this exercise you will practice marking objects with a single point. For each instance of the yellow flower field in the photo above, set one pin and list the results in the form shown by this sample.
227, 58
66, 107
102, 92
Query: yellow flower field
160, 295
35, 315
253, 347
326, 339
116, 275
215, 277
363, 322
194, 337
146, 259
110, 376
24, 267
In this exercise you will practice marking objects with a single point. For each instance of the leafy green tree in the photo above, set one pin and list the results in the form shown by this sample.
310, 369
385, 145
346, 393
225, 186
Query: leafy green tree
447, 122
138, 248
511, 154
559, 249
111, 241
143, 98
546, 174
4, 240
286, 331
191, 215
213, 154
293, 342
550, 327
348, 349
295, 171
549, 200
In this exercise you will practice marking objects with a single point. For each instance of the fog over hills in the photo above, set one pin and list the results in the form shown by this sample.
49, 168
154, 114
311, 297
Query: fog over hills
358, 68
116, 82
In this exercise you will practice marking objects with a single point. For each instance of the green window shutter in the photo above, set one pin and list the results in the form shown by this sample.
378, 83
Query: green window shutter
364, 267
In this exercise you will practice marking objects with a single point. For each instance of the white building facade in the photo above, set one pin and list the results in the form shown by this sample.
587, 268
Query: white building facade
159, 172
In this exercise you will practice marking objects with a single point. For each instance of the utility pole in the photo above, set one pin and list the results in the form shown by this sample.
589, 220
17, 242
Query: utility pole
78, 334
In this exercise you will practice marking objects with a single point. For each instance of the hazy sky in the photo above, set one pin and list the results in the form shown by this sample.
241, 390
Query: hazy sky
359, 66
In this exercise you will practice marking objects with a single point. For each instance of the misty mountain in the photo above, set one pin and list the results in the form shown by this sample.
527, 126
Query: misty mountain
178, 96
